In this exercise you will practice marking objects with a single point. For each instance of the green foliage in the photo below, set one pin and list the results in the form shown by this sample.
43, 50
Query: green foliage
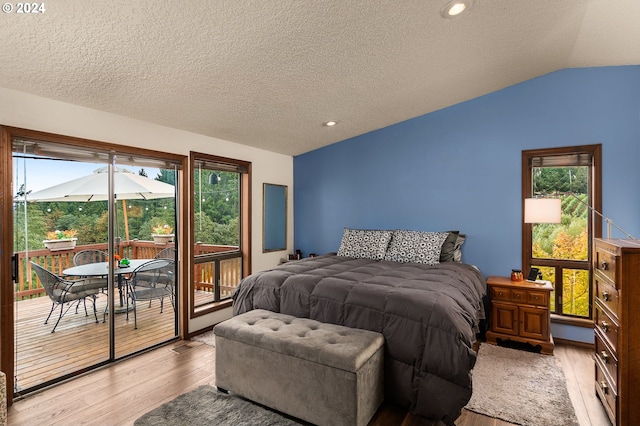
553, 240
208, 232
216, 215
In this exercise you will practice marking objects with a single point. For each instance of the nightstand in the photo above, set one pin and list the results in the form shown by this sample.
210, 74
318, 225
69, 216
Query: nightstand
520, 312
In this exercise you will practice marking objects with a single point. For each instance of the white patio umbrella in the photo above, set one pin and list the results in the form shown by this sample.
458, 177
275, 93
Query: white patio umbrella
94, 187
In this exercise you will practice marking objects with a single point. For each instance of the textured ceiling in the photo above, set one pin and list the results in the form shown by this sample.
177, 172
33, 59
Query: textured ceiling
269, 73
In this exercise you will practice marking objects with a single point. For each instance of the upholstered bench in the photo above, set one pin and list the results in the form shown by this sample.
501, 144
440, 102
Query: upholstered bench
325, 374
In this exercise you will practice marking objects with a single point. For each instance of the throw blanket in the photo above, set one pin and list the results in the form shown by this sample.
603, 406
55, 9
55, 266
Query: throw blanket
427, 314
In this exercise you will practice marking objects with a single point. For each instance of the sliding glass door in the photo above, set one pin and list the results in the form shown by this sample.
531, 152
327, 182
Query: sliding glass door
95, 246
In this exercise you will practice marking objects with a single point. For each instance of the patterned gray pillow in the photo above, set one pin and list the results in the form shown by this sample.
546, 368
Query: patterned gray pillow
364, 243
416, 247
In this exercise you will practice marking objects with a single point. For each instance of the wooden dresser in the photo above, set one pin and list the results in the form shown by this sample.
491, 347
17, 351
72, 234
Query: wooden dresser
616, 311
520, 312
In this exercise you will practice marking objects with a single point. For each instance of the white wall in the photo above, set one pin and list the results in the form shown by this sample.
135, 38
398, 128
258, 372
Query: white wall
19, 109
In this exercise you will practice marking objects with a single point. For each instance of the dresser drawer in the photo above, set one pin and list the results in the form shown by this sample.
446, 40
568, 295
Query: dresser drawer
501, 293
605, 263
606, 360
607, 294
606, 326
607, 395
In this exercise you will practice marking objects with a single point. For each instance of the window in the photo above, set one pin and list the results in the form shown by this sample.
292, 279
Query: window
220, 232
562, 251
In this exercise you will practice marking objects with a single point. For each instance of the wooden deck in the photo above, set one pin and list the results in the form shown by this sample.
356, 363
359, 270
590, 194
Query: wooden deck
79, 342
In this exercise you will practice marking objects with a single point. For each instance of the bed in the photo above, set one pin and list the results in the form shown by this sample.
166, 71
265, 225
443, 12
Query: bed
390, 282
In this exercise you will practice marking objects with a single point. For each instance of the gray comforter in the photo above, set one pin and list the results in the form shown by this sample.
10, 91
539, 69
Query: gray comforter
427, 314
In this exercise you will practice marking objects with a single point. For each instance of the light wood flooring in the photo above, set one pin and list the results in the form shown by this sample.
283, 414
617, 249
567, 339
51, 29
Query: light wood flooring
120, 393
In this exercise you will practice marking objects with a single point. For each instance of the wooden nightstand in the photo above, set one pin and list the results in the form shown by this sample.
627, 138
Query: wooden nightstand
520, 312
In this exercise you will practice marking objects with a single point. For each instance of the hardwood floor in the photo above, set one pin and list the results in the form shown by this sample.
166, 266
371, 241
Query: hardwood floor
120, 393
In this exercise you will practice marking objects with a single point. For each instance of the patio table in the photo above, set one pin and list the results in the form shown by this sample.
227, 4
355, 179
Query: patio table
99, 269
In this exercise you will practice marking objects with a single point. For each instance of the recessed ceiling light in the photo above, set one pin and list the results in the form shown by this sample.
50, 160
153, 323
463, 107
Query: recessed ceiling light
455, 8
330, 123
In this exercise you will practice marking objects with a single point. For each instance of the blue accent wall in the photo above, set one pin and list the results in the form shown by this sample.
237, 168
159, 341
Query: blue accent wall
460, 167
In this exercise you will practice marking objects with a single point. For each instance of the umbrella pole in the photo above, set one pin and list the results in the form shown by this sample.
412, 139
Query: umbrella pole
126, 219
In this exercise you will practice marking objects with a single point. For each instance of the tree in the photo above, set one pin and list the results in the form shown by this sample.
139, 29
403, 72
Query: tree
550, 180
36, 225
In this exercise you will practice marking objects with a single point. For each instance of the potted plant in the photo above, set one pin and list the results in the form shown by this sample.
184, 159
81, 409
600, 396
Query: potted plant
162, 234
61, 240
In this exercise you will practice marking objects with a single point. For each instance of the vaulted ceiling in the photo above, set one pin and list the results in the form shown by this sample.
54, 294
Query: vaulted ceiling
270, 73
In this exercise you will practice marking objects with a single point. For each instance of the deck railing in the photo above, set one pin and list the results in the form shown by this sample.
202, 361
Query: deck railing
217, 275
28, 286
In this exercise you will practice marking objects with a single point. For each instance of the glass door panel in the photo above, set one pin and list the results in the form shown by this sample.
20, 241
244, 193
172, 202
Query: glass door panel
61, 196
57, 332
145, 238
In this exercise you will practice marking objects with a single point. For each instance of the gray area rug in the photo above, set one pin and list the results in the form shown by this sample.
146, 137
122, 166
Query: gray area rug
520, 387
205, 406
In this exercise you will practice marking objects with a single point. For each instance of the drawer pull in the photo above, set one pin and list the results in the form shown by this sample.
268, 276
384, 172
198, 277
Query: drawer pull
605, 326
536, 298
604, 265
605, 296
500, 293
517, 295
604, 356
604, 387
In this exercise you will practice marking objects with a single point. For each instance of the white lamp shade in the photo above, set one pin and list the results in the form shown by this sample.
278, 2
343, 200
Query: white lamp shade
542, 210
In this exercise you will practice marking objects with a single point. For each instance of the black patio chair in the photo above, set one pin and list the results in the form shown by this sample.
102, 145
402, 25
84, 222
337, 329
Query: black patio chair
167, 253
62, 291
90, 256
154, 279
85, 257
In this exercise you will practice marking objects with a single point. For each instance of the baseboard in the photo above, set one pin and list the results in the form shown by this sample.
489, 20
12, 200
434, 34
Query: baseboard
575, 343
201, 331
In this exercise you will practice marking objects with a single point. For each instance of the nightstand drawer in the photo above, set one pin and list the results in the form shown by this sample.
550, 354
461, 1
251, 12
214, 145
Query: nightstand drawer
607, 294
606, 326
538, 298
518, 296
605, 263
501, 293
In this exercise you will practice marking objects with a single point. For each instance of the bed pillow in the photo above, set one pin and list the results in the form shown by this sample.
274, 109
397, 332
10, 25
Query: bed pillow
457, 253
416, 247
449, 246
364, 243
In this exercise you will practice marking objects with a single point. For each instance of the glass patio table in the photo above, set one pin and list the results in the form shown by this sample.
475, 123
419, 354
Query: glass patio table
99, 269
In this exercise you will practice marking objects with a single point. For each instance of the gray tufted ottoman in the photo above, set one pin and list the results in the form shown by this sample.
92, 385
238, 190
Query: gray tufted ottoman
325, 374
